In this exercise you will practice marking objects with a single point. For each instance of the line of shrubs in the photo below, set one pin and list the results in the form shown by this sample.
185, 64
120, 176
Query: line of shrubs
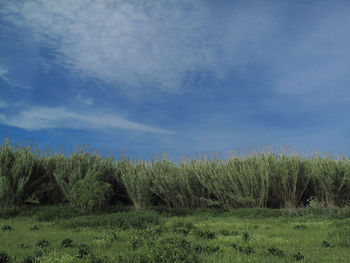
90, 182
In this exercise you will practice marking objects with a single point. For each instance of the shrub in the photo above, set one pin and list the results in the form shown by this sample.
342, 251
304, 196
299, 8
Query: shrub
6, 228
205, 234
326, 244
42, 243
67, 242
298, 256
4, 257
276, 251
246, 250
113, 237
90, 194
246, 236
83, 251
174, 249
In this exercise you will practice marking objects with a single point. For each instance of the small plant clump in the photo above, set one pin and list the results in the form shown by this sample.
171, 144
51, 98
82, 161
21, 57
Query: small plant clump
67, 242
205, 234
42, 243
246, 236
113, 237
276, 251
6, 228
246, 250
326, 244
4, 257
83, 251
298, 256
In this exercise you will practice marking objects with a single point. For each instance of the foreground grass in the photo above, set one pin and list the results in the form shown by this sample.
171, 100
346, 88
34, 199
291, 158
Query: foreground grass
59, 234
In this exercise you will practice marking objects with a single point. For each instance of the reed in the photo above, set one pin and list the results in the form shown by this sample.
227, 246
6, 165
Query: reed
259, 179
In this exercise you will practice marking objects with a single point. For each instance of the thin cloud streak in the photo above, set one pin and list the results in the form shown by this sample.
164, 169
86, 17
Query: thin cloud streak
3, 75
38, 118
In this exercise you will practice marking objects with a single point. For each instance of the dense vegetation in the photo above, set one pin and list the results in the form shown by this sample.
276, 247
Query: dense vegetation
90, 182
61, 234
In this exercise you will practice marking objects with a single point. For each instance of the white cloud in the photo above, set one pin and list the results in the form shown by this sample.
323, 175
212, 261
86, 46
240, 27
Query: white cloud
154, 44
4, 76
87, 101
38, 118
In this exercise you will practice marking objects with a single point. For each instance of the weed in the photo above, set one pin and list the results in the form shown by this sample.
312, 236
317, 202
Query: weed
173, 249
4, 257
246, 236
276, 251
204, 234
42, 243
83, 251
113, 237
206, 249
246, 250
6, 228
67, 242
326, 244
301, 227
298, 256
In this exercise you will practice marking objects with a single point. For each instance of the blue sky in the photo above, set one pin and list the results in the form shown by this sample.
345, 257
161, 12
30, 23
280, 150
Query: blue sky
179, 77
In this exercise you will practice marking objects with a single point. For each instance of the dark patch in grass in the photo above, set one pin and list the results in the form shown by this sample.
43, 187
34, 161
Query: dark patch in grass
246, 250
326, 244
4, 257
42, 243
6, 228
301, 227
67, 242
204, 234
298, 256
246, 236
276, 251
206, 249
83, 251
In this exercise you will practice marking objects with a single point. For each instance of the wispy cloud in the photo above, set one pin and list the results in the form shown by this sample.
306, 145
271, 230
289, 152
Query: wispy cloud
38, 118
87, 101
137, 45
4, 76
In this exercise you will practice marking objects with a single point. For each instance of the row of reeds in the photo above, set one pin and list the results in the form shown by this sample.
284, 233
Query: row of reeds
264, 179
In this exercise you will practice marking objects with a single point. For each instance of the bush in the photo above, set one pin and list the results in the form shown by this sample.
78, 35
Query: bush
90, 194
6, 228
42, 243
67, 242
4, 257
174, 249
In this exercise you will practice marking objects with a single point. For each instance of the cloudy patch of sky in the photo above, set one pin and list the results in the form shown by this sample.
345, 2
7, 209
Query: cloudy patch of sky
176, 76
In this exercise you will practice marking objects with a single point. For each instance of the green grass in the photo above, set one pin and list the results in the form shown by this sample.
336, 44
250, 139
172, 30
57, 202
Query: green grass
173, 235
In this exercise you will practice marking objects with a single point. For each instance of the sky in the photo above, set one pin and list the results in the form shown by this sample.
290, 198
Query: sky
177, 77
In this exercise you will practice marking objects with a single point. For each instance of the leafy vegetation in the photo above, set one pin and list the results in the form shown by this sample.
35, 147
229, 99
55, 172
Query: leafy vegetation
89, 182
81, 207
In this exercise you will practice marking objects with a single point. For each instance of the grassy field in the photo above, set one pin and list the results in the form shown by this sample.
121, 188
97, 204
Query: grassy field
62, 234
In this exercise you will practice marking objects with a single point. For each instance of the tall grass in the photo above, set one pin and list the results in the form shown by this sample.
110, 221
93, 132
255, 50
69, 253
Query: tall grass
260, 179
